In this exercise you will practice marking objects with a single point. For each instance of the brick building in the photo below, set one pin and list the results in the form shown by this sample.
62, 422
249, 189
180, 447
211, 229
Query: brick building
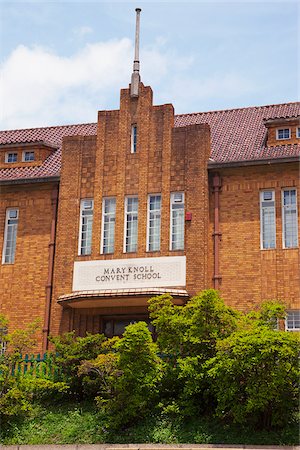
97, 218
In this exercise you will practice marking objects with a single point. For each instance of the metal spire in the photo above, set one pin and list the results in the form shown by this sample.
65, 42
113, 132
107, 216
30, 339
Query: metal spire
135, 77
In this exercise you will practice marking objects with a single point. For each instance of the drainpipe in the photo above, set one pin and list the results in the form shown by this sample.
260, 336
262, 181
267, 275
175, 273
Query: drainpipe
49, 285
217, 235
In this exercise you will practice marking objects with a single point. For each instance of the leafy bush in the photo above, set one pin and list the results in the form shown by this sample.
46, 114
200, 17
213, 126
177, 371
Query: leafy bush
18, 390
68, 355
255, 377
137, 371
98, 374
187, 335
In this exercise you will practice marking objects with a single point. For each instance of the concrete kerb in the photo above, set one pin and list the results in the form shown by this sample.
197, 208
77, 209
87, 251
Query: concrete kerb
147, 447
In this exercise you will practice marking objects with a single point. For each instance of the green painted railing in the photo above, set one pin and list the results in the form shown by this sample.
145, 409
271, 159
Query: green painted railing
36, 365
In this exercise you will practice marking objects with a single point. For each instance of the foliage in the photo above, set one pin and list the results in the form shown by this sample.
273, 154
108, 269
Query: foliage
81, 423
266, 315
191, 329
137, 371
255, 376
188, 335
98, 375
208, 359
18, 391
70, 352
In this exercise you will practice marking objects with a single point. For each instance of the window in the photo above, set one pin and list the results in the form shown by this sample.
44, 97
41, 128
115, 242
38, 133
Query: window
267, 220
292, 322
131, 224
11, 157
86, 226
177, 221
3, 341
10, 236
154, 218
116, 326
289, 218
108, 225
298, 132
28, 156
283, 133
133, 138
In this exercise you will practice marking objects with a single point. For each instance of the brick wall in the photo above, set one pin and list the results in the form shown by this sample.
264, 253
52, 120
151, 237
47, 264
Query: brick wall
249, 274
22, 284
167, 159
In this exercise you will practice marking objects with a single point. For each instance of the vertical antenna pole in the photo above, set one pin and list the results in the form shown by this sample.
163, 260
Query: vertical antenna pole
135, 77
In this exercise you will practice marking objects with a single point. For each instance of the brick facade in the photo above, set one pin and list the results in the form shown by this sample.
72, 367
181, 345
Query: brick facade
169, 158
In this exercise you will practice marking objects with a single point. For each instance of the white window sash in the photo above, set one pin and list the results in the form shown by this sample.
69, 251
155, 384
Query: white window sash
10, 237
292, 321
267, 222
85, 228
284, 137
108, 225
131, 224
8, 157
154, 224
289, 219
176, 222
26, 158
133, 138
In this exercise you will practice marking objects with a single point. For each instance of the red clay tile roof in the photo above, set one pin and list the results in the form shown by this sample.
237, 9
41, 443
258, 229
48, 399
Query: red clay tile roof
49, 135
237, 135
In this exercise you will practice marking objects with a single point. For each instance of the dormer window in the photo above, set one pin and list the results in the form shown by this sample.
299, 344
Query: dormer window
283, 133
133, 138
28, 156
11, 157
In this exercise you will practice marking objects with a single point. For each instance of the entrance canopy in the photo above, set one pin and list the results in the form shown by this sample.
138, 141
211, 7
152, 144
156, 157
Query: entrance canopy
118, 297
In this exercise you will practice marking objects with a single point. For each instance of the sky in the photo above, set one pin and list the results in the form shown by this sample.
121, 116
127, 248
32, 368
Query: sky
62, 61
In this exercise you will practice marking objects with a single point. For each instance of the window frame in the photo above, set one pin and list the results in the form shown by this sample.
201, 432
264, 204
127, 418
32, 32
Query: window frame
3, 342
80, 226
24, 156
261, 217
283, 216
12, 261
172, 194
286, 320
133, 139
148, 223
284, 138
7, 155
125, 223
102, 225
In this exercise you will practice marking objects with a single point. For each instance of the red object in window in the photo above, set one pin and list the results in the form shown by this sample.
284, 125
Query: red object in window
188, 216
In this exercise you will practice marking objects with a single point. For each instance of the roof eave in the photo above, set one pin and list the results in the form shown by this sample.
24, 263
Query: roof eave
254, 162
53, 179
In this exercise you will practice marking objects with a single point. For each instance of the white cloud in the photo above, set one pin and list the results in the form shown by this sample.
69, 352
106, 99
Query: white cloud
39, 88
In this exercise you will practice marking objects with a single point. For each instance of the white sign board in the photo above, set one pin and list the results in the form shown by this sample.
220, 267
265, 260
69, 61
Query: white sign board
168, 271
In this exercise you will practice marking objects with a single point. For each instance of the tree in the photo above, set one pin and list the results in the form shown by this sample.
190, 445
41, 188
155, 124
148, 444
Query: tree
187, 337
255, 376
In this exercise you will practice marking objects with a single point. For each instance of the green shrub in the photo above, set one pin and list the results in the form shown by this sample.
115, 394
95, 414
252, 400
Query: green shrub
18, 390
68, 355
255, 377
187, 337
98, 375
136, 376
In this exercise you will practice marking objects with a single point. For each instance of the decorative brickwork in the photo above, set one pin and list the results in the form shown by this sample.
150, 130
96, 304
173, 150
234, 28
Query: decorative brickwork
173, 154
